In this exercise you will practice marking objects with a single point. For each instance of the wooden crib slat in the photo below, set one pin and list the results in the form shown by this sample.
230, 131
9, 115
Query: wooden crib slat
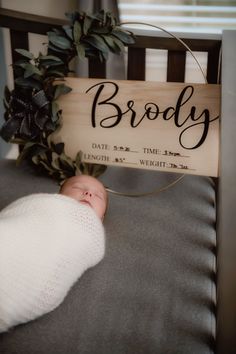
19, 39
136, 63
176, 66
97, 69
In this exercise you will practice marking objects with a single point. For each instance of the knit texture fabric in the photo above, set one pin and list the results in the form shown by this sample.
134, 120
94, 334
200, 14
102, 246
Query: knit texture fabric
46, 242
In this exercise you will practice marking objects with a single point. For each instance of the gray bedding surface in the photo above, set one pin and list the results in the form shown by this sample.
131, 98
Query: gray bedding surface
154, 291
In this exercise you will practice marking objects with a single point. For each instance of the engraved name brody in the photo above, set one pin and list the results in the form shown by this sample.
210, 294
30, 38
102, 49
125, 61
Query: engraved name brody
153, 112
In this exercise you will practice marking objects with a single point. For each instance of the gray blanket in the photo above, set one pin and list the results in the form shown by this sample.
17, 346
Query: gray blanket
154, 292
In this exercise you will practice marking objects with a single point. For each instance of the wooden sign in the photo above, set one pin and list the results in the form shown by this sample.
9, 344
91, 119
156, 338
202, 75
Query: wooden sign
159, 126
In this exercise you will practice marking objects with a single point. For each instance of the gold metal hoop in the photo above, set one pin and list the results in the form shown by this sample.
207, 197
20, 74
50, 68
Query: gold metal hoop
159, 190
145, 194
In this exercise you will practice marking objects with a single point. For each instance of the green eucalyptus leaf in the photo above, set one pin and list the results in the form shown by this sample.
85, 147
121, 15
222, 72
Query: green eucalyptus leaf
100, 30
28, 83
61, 89
25, 53
78, 159
57, 31
50, 57
38, 150
50, 126
85, 168
80, 51
48, 63
87, 24
31, 70
55, 161
59, 41
55, 49
97, 42
71, 16
6, 104
21, 61
68, 30
112, 20
31, 149
36, 159
25, 152
100, 16
55, 110
66, 162
104, 56
22, 64
54, 73
96, 170
17, 141
119, 45
125, 37
77, 31
7, 93
44, 165
58, 148
110, 42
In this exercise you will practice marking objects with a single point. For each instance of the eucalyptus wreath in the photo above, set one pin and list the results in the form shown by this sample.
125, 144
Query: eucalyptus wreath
32, 113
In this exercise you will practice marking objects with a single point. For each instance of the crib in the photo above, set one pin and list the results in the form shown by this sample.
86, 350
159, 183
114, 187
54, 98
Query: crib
166, 284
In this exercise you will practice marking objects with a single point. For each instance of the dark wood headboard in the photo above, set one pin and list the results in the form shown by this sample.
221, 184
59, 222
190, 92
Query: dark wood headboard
20, 24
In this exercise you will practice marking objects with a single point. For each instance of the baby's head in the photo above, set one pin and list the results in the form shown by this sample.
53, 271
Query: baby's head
87, 190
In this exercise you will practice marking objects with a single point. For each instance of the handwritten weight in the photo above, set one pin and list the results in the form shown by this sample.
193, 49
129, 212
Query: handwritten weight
152, 112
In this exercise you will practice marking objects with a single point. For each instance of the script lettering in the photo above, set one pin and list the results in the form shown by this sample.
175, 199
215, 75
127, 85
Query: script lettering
152, 112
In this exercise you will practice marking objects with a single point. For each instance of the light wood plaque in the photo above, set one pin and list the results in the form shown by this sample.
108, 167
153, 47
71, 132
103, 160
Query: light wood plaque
170, 127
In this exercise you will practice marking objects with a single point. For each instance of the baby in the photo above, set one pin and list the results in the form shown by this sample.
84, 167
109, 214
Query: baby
87, 190
47, 241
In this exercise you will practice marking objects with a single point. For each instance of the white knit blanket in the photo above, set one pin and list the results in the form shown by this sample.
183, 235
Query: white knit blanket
46, 242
